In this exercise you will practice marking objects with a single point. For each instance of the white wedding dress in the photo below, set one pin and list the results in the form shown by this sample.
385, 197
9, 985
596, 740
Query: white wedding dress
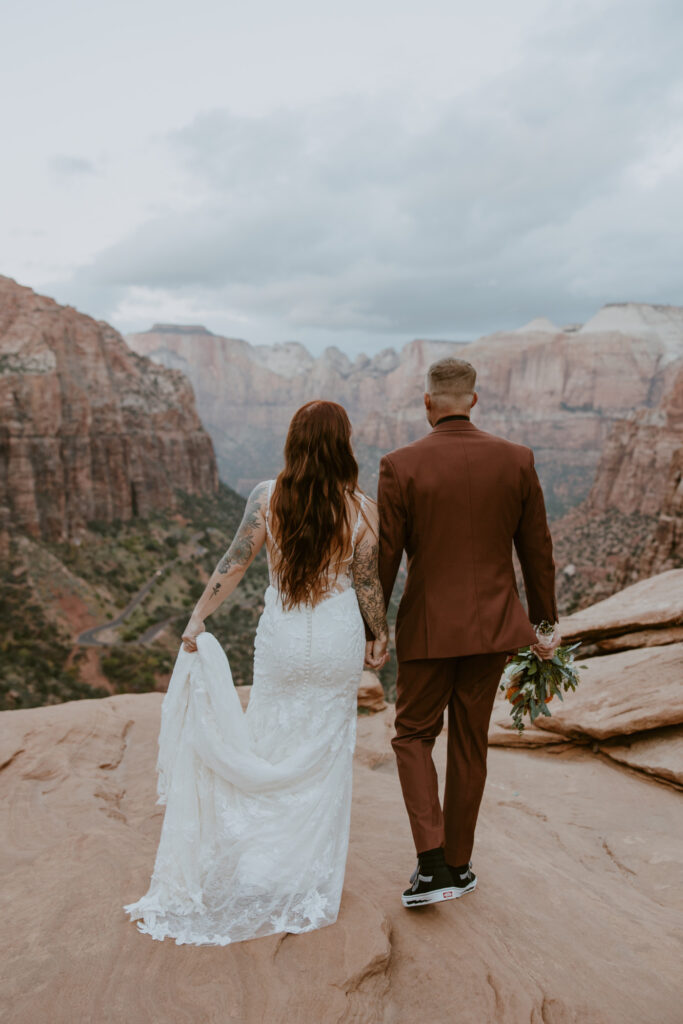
255, 834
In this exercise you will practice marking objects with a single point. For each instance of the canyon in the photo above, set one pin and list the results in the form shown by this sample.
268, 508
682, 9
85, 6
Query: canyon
559, 390
107, 467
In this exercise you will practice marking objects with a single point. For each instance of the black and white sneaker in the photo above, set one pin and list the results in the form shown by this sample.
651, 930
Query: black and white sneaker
431, 882
464, 879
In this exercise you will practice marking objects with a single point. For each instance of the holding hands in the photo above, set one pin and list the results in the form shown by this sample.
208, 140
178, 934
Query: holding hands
376, 654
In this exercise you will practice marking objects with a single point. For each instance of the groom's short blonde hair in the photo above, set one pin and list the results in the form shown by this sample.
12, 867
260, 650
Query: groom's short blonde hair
450, 377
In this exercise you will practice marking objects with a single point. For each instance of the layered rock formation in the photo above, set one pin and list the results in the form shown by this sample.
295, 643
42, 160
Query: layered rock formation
631, 524
563, 839
559, 390
629, 704
646, 613
624, 693
247, 394
89, 430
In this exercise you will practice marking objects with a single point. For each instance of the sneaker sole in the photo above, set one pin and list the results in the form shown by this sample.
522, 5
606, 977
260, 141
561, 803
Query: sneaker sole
437, 896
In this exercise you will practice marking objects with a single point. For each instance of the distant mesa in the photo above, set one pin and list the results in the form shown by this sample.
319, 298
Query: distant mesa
287, 359
642, 320
179, 329
540, 325
557, 389
438, 341
338, 360
385, 361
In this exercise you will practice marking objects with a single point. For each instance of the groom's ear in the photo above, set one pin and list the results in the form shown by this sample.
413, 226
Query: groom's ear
475, 399
428, 401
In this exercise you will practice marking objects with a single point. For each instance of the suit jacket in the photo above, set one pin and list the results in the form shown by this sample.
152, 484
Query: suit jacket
456, 501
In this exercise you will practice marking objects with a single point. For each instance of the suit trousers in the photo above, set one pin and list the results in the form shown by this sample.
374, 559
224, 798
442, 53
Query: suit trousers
467, 687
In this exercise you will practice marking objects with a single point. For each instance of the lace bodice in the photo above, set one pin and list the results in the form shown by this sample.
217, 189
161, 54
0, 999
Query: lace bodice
339, 576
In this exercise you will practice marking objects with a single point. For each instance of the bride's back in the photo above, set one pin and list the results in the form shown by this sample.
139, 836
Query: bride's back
313, 510
335, 575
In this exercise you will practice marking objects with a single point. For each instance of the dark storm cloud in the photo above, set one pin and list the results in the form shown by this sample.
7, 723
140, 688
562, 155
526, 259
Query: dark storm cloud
552, 189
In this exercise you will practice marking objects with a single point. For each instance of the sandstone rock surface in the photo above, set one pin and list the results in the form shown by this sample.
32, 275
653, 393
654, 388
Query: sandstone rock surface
370, 693
659, 753
651, 604
623, 693
564, 840
90, 430
641, 638
373, 739
502, 731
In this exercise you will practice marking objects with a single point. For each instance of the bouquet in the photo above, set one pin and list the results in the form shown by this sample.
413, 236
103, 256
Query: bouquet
530, 683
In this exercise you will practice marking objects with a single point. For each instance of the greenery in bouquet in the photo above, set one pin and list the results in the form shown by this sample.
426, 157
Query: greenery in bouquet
530, 683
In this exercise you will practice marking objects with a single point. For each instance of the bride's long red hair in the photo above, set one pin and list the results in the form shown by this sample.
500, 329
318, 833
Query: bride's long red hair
310, 509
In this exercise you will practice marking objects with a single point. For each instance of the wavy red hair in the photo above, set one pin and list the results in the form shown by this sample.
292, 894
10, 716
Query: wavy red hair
310, 509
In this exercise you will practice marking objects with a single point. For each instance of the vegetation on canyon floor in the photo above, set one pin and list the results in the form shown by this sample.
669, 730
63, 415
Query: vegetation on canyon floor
101, 572
36, 653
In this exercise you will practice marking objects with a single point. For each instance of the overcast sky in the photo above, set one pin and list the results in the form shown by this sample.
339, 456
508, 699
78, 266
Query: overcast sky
356, 174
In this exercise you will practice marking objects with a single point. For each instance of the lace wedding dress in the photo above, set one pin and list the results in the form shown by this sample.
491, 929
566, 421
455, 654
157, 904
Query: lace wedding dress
256, 828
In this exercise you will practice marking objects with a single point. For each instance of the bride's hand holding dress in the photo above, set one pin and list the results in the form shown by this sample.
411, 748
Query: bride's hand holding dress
245, 546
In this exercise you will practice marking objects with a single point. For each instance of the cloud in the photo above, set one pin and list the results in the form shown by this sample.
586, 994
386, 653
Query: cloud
71, 166
550, 189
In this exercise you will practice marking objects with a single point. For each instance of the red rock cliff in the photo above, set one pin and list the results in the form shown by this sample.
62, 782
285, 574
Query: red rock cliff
631, 524
88, 428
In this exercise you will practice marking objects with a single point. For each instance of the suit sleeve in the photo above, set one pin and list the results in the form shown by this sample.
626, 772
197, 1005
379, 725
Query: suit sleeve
534, 547
392, 528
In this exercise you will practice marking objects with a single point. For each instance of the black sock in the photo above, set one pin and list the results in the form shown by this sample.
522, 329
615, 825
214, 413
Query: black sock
462, 869
432, 858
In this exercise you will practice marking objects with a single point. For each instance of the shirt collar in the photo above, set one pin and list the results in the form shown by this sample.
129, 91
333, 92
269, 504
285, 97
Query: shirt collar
453, 424
445, 419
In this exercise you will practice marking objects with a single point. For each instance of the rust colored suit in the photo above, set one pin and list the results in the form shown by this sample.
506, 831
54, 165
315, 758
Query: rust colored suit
456, 501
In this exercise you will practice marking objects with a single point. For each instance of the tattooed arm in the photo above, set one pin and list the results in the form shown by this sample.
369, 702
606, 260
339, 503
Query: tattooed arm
369, 589
247, 542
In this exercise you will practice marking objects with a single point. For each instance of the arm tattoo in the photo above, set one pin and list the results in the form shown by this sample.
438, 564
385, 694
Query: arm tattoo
240, 551
214, 590
368, 588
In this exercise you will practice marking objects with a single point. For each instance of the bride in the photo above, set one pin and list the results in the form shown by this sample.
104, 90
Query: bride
256, 828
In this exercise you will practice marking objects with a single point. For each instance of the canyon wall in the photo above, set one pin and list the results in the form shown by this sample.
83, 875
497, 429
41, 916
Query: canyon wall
559, 390
89, 430
631, 524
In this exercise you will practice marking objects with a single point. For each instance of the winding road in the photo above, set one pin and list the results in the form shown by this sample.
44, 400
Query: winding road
90, 637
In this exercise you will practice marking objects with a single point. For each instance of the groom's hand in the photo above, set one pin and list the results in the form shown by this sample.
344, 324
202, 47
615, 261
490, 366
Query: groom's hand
547, 645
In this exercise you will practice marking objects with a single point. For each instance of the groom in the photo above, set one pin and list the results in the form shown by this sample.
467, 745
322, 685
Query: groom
456, 501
